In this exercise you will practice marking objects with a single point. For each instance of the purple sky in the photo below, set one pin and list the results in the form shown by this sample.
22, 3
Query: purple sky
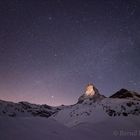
50, 49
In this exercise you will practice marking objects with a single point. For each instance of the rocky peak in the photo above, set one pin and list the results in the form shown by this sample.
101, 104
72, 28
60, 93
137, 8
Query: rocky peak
91, 93
124, 93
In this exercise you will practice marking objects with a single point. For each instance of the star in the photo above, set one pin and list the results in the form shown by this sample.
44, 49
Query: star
50, 18
55, 55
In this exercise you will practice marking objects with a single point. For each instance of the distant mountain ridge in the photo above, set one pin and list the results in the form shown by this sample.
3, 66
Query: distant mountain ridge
24, 109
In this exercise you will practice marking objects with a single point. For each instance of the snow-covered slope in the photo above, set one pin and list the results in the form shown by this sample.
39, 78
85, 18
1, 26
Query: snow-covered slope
36, 128
94, 112
116, 128
100, 117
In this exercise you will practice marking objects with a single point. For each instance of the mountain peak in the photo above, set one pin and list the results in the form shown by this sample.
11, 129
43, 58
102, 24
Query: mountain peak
91, 93
90, 90
124, 93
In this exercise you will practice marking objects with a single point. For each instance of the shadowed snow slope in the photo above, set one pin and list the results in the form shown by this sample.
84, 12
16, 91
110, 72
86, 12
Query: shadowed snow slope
35, 128
111, 129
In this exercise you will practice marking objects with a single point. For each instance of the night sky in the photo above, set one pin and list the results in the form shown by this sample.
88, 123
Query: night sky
50, 49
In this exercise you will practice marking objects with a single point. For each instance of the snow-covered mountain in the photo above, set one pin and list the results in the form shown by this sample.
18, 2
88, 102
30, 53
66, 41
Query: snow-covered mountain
25, 109
93, 116
96, 107
124, 93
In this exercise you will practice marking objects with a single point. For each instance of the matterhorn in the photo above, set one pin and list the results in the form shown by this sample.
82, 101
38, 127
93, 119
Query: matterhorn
91, 93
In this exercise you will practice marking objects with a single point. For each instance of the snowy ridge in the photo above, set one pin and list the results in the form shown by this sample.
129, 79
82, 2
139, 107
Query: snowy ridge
25, 109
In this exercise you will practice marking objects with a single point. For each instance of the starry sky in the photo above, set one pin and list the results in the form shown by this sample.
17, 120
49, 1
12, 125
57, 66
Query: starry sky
50, 49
